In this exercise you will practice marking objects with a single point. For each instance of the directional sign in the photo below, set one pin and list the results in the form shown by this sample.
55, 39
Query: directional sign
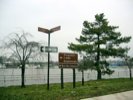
41, 48
68, 60
51, 49
43, 30
49, 31
55, 29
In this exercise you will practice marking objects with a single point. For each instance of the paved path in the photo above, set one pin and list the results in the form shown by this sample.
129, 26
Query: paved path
118, 96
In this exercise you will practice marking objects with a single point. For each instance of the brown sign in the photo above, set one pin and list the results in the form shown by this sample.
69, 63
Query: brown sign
49, 31
43, 30
68, 60
55, 29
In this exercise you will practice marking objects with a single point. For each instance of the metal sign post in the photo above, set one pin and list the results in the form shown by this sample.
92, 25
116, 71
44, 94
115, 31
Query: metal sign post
74, 77
48, 62
62, 81
48, 32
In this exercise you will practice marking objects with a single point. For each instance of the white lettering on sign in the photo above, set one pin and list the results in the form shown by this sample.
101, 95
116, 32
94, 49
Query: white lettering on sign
51, 49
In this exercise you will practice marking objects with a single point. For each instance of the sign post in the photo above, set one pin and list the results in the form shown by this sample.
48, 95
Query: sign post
74, 77
62, 81
68, 60
48, 32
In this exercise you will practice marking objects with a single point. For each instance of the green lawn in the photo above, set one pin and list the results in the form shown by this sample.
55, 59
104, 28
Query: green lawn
90, 89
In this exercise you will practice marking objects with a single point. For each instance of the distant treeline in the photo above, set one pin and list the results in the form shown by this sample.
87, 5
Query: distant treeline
10, 63
35, 64
117, 63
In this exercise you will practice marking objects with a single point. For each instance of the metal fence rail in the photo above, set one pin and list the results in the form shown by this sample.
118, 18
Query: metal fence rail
11, 77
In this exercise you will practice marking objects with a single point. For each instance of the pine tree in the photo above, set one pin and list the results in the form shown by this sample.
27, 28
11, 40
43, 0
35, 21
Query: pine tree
99, 41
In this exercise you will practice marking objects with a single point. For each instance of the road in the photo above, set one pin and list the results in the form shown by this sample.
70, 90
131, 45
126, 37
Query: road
118, 96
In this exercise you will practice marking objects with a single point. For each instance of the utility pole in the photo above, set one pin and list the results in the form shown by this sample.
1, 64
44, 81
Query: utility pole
48, 32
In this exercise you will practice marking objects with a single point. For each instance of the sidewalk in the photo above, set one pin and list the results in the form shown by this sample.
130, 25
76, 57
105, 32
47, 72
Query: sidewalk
118, 96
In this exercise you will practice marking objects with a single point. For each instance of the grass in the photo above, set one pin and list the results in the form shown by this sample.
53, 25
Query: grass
90, 89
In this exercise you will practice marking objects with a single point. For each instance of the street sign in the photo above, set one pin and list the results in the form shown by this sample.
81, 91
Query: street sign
49, 31
51, 49
43, 30
41, 48
68, 60
55, 29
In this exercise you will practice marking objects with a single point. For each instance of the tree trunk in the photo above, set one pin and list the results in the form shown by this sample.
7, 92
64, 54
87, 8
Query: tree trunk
99, 74
130, 73
22, 76
82, 77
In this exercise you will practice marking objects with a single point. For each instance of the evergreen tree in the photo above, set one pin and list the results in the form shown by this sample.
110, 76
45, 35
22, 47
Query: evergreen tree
99, 40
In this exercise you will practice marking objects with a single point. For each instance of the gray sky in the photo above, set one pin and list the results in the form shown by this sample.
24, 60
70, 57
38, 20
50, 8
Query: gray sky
69, 14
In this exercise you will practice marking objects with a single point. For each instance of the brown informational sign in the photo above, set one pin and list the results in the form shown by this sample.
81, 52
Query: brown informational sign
68, 60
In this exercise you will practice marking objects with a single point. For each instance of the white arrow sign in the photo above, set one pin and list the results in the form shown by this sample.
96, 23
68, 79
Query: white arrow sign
51, 49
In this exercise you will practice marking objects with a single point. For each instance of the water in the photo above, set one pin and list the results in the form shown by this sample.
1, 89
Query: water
11, 77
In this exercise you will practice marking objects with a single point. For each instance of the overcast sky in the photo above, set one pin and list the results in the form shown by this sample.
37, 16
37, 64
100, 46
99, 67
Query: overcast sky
69, 14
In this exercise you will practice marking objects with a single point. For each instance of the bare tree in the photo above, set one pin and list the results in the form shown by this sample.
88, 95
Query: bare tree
21, 51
